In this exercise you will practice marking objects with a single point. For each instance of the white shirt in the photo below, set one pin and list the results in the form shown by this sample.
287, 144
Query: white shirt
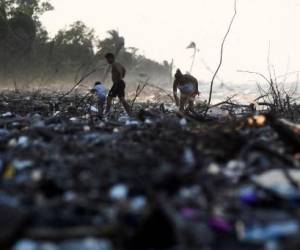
100, 90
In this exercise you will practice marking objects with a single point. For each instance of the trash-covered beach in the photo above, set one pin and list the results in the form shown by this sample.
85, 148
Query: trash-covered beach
158, 180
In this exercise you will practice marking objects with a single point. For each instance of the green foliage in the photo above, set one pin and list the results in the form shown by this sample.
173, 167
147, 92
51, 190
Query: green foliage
20, 35
72, 50
136, 64
28, 55
75, 44
32, 8
19, 21
114, 43
78, 34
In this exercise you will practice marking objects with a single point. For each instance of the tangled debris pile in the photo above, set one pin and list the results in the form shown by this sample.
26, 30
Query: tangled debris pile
159, 181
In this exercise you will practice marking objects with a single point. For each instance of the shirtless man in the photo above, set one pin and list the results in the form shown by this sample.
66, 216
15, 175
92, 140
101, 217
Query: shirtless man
188, 86
118, 89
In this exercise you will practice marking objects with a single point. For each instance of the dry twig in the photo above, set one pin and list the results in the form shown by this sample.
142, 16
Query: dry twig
221, 55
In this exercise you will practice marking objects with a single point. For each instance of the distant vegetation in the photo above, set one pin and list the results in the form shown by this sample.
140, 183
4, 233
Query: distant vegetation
29, 56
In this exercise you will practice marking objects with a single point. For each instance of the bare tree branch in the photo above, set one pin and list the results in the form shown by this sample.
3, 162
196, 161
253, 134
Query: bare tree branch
81, 80
141, 86
255, 73
228, 101
162, 90
221, 56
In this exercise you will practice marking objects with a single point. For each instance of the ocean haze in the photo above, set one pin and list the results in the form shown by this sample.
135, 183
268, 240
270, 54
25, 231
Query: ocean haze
162, 30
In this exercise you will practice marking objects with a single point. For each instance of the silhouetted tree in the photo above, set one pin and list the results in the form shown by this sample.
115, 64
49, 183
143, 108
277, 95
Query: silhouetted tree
19, 27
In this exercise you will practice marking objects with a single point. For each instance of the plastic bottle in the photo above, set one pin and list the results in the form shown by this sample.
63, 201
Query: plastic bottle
266, 233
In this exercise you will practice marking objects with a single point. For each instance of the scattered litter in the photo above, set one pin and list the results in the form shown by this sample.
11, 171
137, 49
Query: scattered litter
189, 158
265, 233
73, 119
36, 175
213, 169
183, 122
131, 123
3, 133
94, 109
23, 141
137, 204
7, 115
218, 113
118, 192
213, 184
22, 164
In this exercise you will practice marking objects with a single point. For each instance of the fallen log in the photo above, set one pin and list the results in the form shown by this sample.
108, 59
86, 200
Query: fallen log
286, 134
57, 234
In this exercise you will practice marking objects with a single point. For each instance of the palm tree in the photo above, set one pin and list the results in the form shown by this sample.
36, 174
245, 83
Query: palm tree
114, 43
194, 47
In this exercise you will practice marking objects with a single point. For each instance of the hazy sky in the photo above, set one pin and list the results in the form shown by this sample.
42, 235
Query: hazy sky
162, 29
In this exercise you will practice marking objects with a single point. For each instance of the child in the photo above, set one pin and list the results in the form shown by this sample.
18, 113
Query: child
100, 91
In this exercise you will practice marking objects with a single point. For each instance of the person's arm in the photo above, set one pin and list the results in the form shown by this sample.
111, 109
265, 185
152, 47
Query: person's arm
196, 85
175, 85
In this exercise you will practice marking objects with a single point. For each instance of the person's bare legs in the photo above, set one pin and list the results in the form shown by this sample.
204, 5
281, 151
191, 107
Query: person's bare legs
125, 105
191, 103
101, 105
108, 104
183, 99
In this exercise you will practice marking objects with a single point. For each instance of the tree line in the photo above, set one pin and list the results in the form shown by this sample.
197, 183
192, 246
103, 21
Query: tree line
28, 55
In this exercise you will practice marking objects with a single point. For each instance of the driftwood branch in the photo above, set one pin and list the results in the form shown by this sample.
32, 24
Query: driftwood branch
221, 55
162, 90
54, 234
80, 81
228, 101
286, 134
255, 73
141, 86
276, 96
260, 97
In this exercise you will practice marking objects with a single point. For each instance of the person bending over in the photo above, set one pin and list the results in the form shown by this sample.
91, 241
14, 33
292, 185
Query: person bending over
100, 91
188, 87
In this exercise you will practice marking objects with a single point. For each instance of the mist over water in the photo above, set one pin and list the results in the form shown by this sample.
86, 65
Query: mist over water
162, 30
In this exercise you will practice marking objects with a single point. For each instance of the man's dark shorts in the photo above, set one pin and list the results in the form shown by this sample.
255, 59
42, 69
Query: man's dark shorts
117, 90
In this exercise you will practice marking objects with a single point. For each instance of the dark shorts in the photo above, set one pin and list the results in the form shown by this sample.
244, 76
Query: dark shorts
117, 90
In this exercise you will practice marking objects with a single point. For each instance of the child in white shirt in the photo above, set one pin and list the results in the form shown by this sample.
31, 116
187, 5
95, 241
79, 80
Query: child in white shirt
101, 92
